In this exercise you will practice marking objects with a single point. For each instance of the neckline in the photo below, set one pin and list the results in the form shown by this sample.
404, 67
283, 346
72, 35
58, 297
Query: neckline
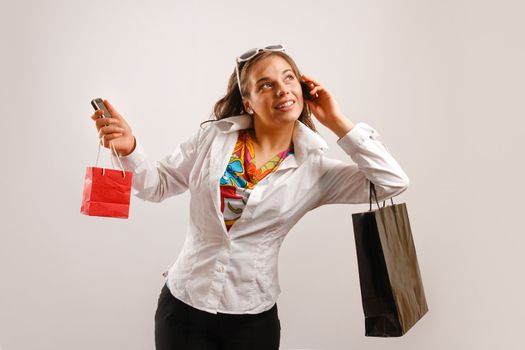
276, 159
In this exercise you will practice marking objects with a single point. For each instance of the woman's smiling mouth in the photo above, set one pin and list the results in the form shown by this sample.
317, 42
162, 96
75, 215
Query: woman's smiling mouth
285, 106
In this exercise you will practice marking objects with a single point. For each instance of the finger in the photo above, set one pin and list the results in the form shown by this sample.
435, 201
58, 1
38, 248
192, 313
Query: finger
97, 114
110, 137
106, 121
307, 78
310, 85
112, 109
316, 89
105, 130
313, 100
102, 124
107, 139
113, 128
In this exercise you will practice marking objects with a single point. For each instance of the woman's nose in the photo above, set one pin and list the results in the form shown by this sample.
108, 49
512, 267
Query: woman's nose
282, 90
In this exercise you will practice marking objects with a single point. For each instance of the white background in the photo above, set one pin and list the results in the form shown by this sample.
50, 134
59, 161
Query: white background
441, 81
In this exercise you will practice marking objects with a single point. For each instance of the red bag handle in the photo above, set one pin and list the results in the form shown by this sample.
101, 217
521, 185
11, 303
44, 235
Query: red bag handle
116, 154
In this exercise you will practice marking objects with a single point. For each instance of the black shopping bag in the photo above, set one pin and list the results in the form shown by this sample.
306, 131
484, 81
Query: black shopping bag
391, 286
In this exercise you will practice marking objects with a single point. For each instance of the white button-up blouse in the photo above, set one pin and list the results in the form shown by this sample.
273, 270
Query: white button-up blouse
236, 272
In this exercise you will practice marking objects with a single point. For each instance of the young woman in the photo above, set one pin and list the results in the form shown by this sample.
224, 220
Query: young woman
253, 171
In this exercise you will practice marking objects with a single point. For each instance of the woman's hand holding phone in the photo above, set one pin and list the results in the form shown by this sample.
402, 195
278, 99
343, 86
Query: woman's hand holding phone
325, 108
114, 129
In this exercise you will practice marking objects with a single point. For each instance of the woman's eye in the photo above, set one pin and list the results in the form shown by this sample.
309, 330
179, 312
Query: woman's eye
268, 84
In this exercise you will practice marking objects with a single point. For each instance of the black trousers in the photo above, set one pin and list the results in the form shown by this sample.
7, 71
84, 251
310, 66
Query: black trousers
179, 326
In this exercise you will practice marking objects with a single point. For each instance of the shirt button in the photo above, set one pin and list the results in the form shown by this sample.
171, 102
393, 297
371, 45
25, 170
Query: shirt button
220, 268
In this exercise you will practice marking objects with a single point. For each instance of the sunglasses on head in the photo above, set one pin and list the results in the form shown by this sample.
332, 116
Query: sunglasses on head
248, 55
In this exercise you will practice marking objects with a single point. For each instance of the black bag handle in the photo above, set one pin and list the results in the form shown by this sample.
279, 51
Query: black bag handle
373, 189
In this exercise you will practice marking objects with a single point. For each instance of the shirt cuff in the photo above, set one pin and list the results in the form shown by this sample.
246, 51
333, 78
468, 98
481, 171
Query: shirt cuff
134, 159
359, 134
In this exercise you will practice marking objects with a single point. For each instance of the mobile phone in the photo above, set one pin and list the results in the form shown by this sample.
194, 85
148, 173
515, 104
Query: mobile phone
306, 90
98, 103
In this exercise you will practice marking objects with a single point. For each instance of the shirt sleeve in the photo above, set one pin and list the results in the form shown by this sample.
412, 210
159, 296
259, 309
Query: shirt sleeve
166, 177
350, 183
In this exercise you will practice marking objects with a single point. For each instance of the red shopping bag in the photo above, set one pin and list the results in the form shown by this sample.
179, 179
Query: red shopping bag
107, 192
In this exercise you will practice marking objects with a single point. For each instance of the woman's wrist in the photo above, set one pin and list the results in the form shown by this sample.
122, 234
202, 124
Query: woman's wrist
128, 152
341, 126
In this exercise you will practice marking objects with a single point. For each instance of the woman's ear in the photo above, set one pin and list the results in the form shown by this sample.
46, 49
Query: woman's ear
246, 105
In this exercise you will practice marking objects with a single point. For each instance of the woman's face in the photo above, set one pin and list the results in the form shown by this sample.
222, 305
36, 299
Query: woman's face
272, 82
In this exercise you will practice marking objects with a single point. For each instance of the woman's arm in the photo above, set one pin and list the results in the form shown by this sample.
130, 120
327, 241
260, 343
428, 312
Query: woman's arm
168, 176
349, 183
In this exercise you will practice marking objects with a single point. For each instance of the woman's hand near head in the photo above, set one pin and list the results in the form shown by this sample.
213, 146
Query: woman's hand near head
325, 108
115, 130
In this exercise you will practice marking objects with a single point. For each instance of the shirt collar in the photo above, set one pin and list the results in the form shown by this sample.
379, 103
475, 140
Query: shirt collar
304, 139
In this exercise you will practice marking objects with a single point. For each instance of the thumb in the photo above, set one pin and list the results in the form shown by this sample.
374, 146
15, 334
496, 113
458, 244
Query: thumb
112, 110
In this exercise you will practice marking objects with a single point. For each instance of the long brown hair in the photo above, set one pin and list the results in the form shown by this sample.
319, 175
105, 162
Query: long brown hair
231, 104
